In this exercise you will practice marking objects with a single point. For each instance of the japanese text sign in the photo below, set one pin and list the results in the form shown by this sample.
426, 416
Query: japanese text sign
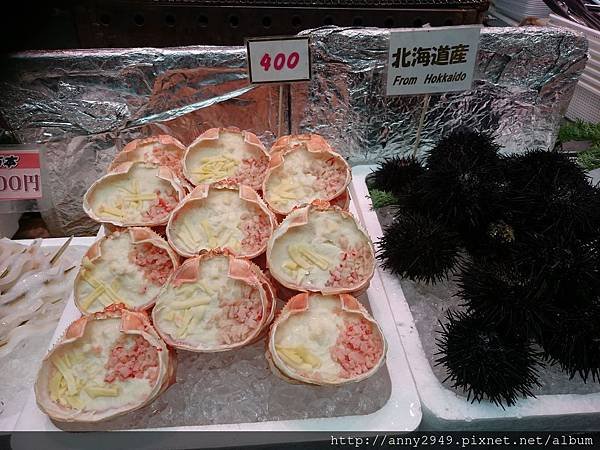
278, 60
430, 60
20, 177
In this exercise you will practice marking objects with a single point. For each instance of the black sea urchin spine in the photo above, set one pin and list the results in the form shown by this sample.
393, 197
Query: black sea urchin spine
463, 181
486, 363
399, 176
499, 294
547, 192
419, 248
573, 340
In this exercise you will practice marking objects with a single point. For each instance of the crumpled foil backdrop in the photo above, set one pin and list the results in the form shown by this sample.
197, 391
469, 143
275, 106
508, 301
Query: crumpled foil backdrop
524, 79
84, 106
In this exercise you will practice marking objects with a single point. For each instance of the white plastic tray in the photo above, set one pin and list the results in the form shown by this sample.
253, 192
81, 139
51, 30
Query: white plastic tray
443, 409
401, 413
8, 422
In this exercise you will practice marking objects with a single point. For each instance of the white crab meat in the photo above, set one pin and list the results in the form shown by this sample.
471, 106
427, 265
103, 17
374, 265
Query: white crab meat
328, 253
212, 311
141, 195
299, 175
226, 155
326, 340
107, 364
128, 267
221, 219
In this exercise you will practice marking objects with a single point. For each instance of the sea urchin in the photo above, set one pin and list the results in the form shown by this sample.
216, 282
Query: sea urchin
485, 362
397, 175
419, 248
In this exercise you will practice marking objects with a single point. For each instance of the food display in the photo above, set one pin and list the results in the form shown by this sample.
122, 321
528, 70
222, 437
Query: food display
325, 340
300, 173
221, 217
161, 150
226, 155
128, 266
116, 358
265, 239
320, 248
313, 141
134, 194
106, 364
33, 284
214, 302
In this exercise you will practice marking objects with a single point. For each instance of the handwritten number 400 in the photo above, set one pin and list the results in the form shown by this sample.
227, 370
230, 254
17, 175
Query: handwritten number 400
280, 61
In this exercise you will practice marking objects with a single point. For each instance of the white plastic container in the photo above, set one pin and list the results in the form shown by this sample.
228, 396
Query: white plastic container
401, 412
443, 409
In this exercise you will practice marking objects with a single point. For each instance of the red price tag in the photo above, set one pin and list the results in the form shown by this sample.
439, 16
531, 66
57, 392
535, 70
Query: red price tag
278, 60
281, 60
20, 176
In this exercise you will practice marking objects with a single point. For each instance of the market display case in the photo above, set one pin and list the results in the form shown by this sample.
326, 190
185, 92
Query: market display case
235, 275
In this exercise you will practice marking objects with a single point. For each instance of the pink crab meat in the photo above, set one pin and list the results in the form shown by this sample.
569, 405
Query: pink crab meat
154, 262
357, 348
256, 228
251, 172
166, 158
162, 206
352, 268
132, 359
239, 317
330, 176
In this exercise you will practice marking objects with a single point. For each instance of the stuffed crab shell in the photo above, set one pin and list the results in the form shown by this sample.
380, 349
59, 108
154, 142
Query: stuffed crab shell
315, 141
106, 364
325, 340
162, 150
214, 302
320, 248
134, 194
221, 217
226, 155
343, 201
299, 174
128, 266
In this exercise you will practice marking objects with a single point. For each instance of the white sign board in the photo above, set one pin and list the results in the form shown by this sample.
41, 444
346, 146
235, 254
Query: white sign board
278, 60
430, 60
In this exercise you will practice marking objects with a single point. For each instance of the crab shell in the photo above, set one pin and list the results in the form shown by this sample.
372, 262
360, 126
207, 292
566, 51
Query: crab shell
132, 322
299, 304
271, 305
201, 191
162, 172
315, 141
317, 145
239, 269
213, 134
343, 201
138, 235
143, 150
297, 218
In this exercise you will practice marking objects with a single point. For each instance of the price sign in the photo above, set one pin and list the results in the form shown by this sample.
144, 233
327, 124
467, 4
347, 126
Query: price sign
430, 60
20, 176
278, 60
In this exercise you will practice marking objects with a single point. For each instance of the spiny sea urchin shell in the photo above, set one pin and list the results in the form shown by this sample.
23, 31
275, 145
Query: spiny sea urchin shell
573, 340
419, 247
397, 175
486, 363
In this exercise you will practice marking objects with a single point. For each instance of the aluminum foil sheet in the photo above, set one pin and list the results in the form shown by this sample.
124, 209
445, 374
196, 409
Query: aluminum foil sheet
84, 106
523, 83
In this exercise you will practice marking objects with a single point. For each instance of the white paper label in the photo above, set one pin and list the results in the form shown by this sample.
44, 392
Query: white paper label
278, 60
430, 60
